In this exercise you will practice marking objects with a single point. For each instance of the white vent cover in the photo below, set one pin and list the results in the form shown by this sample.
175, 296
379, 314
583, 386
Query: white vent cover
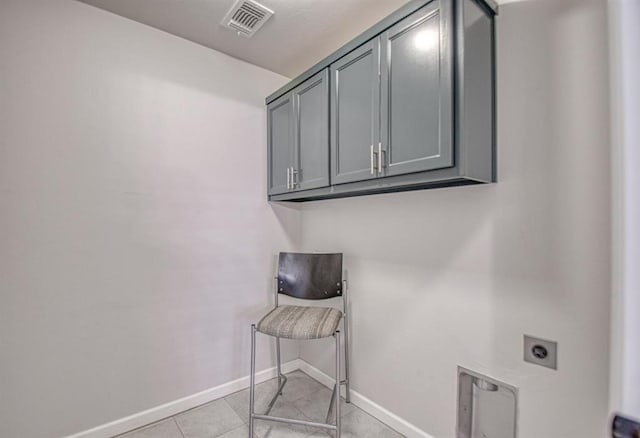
246, 17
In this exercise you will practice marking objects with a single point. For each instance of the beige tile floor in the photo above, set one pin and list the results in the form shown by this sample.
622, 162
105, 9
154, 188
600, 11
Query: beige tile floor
303, 398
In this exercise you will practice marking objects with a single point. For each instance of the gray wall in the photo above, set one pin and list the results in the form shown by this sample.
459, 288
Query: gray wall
457, 276
136, 243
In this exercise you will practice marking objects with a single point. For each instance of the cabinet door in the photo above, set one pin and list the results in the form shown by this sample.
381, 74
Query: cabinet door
311, 146
280, 143
355, 113
416, 102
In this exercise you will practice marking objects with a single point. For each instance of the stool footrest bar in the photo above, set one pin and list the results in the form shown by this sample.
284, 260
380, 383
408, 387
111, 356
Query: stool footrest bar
293, 421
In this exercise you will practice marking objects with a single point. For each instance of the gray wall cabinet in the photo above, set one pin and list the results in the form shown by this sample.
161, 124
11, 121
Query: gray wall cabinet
417, 99
280, 139
311, 133
298, 137
355, 114
412, 106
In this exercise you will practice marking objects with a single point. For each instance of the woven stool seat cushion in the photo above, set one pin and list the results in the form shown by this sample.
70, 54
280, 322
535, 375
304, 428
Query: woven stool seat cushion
300, 322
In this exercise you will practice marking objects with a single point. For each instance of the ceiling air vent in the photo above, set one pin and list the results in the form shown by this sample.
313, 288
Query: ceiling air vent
246, 17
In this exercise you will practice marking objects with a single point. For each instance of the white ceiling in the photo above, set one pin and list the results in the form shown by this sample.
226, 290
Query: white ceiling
299, 34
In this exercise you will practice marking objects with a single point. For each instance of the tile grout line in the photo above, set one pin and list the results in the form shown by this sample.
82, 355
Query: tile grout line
178, 426
244, 423
235, 428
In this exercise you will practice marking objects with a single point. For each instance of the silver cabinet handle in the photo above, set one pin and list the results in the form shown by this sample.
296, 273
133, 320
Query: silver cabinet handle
380, 159
288, 178
374, 159
294, 178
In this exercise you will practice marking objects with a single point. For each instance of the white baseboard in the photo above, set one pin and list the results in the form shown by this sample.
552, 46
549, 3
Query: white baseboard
175, 407
158, 413
389, 418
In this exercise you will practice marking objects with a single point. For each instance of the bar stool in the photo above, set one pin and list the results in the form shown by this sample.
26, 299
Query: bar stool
306, 277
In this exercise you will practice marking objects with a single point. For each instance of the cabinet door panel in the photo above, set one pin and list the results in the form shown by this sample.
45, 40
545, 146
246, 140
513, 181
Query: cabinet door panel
416, 105
280, 138
312, 132
355, 113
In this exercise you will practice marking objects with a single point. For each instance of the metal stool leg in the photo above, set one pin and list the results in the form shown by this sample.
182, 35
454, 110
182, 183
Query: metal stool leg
346, 361
346, 312
336, 389
279, 365
337, 399
252, 383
